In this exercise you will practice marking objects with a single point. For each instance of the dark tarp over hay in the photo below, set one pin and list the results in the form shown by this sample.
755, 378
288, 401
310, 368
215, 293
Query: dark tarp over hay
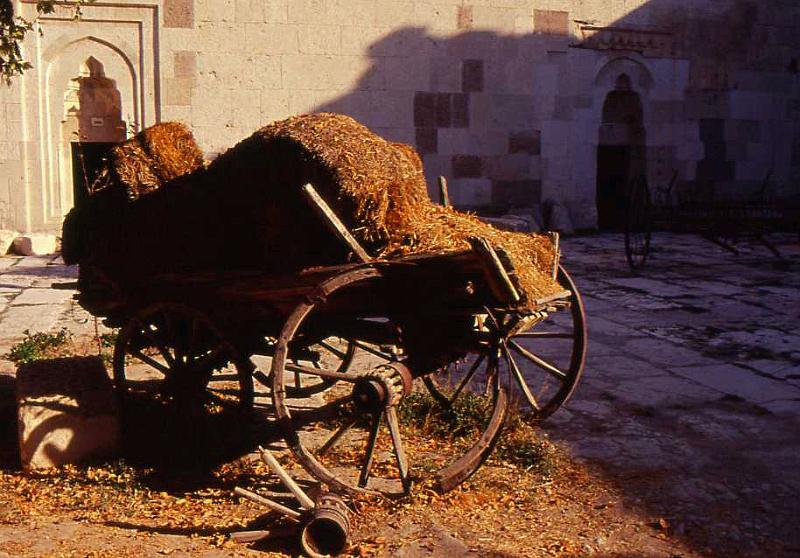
246, 211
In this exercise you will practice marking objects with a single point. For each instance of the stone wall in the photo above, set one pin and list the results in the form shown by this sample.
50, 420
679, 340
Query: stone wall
504, 97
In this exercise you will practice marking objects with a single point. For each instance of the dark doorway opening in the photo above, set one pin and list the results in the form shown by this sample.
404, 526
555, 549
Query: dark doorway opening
620, 153
88, 160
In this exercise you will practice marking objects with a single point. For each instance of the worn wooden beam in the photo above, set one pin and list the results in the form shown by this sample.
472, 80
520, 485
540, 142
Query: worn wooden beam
271, 504
444, 195
555, 239
334, 223
497, 277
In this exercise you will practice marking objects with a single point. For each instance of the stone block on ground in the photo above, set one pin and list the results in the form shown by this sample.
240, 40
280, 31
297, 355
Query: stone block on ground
35, 244
559, 219
6, 239
66, 412
511, 223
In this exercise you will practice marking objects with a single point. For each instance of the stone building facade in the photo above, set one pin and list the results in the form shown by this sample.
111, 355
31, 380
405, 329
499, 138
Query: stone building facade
520, 103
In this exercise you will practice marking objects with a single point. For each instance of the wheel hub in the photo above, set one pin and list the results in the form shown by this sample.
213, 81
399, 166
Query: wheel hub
382, 387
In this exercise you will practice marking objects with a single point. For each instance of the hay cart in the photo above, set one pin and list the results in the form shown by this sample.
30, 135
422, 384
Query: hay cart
240, 270
449, 322
725, 223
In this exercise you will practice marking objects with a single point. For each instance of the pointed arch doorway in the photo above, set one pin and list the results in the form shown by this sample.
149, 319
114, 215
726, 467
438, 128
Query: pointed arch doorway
621, 153
92, 125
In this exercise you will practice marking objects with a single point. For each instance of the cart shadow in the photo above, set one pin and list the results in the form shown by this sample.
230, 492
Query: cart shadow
9, 440
286, 544
169, 439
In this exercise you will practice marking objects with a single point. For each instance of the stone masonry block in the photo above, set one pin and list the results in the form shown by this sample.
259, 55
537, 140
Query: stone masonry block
178, 13
427, 140
467, 166
706, 104
304, 12
464, 17
271, 38
512, 112
178, 91
445, 74
472, 76
319, 39
526, 141
551, 22
221, 10
715, 151
743, 131
516, 193
185, 63
460, 110
469, 193
443, 112
507, 167
66, 412
34, 244
711, 129
425, 109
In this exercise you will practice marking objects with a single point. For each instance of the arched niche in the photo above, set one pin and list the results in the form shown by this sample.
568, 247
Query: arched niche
622, 137
91, 126
83, 78
638, 77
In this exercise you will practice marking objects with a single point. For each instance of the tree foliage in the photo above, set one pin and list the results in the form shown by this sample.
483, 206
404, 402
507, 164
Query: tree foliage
13, 30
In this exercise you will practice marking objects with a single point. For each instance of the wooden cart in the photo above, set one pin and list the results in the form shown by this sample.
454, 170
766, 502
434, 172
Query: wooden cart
341, 347
724, 223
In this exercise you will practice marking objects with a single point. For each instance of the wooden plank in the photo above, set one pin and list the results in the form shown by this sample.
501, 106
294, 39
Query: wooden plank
271, 504
333, 222
555, 238
499, 281
563, 295
444, 195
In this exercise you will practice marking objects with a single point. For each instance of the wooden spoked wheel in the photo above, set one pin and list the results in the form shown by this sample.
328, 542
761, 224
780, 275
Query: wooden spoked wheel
541, 356
331, 353
176, 356
638, 225
356, 436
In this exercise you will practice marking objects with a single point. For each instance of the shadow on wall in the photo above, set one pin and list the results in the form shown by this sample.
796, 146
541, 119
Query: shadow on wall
471, 104
514, 121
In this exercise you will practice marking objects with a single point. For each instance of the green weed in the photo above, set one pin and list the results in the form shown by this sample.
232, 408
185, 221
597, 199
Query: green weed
519, 443
36, 346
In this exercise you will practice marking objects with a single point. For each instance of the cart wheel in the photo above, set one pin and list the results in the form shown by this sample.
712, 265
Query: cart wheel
543, 354
638, 225
175, 354
360, 436
331, 353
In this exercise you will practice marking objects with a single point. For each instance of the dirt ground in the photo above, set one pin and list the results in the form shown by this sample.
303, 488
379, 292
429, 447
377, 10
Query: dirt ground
680, 442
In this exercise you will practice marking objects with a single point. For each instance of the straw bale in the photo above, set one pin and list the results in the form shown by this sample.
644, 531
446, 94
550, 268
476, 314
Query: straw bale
381, 193
245, 210
151, 159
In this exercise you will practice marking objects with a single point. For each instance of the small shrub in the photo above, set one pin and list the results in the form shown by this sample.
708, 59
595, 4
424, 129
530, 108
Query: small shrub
108, 340
36, 346
518, 444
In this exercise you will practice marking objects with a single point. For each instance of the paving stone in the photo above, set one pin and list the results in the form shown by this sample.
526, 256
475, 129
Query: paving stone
664, 353
615, 365
652, 287
734, 380
17, 319
663, 390
43, 296
7, 261
788, 407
